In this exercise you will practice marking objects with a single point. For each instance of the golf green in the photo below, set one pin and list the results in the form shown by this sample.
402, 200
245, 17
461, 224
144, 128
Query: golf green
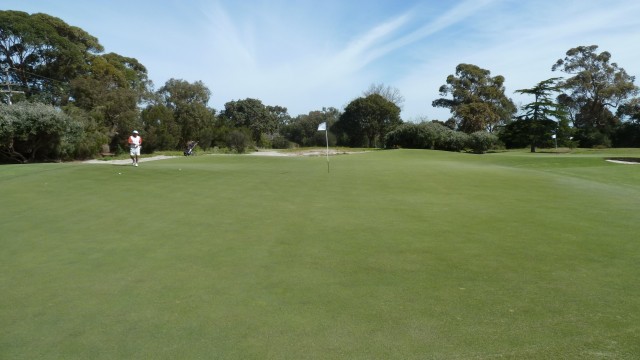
400, 254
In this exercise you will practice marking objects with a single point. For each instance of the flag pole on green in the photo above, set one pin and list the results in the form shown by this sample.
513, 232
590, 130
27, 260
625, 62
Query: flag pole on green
323, 127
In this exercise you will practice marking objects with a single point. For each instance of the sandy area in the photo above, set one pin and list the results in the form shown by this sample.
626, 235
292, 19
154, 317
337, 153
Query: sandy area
624, 162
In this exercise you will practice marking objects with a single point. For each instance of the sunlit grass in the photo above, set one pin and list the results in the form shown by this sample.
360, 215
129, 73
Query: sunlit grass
392, 254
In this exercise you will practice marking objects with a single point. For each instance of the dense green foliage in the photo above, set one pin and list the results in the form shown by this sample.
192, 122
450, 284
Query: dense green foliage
594, 92
478, 100
192, 119
528, 132
40, 47
482, 141
541, 118
303, 129
427, 135
36, 132
44, 60
366, 121
110, 92
407, 254
261, 120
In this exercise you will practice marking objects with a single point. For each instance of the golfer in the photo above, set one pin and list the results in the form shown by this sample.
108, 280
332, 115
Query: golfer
135, 144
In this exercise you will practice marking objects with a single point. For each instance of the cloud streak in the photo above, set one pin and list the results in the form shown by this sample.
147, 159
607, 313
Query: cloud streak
309, 55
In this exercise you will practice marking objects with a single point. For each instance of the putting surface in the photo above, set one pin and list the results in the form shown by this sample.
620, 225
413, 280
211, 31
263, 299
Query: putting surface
389, 255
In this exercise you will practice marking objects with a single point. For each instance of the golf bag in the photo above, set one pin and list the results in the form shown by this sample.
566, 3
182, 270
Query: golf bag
190, 146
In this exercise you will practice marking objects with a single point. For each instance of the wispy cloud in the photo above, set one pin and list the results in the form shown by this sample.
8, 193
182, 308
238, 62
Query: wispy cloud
306, 55
366, 48
521, 43
225, 41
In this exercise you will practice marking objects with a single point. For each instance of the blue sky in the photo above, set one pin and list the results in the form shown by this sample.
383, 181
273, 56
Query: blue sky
306, 55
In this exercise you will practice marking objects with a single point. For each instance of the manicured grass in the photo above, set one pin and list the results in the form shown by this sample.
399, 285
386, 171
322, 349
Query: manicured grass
391, 255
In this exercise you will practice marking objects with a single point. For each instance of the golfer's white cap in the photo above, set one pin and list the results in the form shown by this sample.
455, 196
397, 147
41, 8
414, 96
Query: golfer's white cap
135, 131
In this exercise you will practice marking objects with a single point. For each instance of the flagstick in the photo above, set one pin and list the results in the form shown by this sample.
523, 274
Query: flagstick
323, 126
326, 136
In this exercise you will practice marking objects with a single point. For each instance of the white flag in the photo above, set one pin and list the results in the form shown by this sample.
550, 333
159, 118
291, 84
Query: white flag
322, 126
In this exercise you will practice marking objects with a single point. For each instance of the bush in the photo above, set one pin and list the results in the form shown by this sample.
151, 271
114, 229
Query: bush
455, 141
280, 142
86, 143
239, 140
36, 132
626, 135
430, 135
481, 141
426, 135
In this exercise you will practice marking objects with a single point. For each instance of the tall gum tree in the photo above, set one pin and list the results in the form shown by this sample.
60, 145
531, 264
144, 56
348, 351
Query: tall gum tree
188, 102
478, 101
44, 53
261, 120
110, 92
596, 90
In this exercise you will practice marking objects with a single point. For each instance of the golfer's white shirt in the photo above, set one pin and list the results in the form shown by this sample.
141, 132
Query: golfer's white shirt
134, 141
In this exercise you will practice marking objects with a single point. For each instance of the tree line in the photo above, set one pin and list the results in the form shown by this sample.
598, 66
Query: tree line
63, 97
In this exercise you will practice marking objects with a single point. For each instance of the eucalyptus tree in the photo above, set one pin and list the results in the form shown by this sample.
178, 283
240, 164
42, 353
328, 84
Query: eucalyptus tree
250, 114
189, 104
630, 110
279, 116
478, 100
595, 91
263, 121
110, 90
43, 53
628, 133
161, 131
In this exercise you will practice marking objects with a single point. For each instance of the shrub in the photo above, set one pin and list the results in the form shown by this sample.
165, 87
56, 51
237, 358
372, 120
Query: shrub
36, 132
239, 140
481, 141
455, 140
626, 135
426, 135
280, 142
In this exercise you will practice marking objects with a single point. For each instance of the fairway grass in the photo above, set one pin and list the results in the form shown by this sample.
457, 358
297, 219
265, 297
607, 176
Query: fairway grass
401, 254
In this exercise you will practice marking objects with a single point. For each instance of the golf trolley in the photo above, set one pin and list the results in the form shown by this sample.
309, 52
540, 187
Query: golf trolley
190, 146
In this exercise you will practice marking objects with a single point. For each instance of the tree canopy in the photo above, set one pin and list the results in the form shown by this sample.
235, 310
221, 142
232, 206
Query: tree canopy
252, 114
389, 93
540, 118
594, 92
303, 129
44, 53
110, 91
97, 98
478, 101
366, 121
188, 102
